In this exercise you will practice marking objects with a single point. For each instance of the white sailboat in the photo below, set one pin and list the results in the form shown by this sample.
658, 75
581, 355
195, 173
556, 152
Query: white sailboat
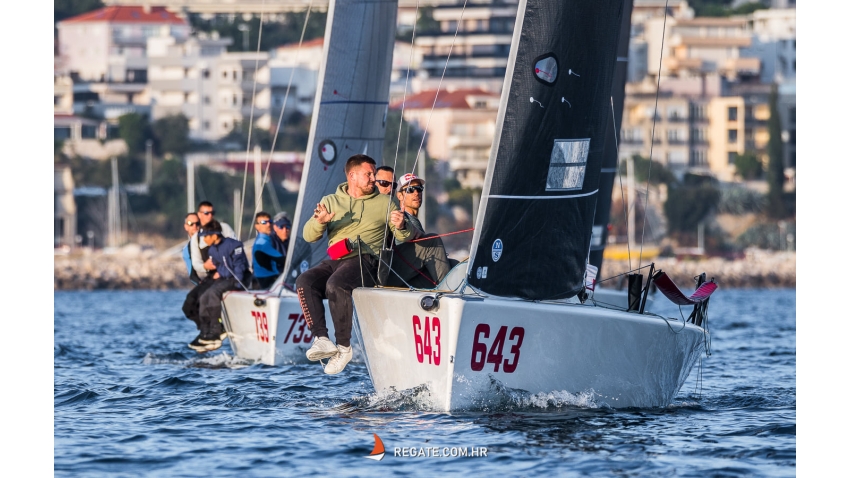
516, 316
349, 117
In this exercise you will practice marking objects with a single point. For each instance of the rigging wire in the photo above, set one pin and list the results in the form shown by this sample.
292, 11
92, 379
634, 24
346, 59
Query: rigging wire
620, 176
250, 126
398, 143
283, 107
654, 120
439, 85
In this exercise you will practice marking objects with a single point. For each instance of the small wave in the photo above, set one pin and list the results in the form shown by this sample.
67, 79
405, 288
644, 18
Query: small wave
223, 360
80, 396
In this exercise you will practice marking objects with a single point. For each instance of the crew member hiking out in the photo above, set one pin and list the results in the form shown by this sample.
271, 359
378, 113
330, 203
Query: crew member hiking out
228, 256
355, 210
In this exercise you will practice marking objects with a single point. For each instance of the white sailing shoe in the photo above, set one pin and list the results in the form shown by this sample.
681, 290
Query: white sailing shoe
338, 362
322, 348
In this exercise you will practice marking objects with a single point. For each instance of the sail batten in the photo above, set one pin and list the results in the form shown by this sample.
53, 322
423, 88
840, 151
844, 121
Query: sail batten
534, 224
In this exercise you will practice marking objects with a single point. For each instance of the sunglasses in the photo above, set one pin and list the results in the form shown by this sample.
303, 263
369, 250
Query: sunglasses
207, 213
384, 183
190, 223
263, 222
410, 189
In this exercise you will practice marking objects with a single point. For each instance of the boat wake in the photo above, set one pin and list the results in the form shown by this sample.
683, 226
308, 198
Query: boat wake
223, 360
500, 398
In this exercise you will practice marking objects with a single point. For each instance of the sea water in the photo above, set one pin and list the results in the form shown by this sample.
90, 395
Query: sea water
131, 399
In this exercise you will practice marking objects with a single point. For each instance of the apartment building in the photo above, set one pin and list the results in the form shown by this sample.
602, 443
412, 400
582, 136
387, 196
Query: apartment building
479, 51
460, 128
775, 43
701, 124
108, 45
215, 89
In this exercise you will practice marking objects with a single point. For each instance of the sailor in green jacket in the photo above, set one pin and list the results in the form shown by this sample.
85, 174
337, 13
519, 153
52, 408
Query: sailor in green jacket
356, 209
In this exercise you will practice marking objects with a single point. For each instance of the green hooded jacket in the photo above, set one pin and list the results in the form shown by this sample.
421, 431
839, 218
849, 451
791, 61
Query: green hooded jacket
366, 216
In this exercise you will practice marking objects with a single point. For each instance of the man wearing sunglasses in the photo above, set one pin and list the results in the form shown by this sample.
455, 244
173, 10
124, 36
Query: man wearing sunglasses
202, 265
190, 225
385, 180
424, 263
355, 211
267, 261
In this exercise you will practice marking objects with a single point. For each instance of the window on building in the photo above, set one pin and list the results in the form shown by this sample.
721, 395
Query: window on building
235, 77
748, 134
732, 156
206, 99
185, 97
733, 113
185, 73
748, 112
792, 136
206, 125
792, 114
88, 131
61, 132
224, 73
206, 74
56, 100
732, 136
235, 100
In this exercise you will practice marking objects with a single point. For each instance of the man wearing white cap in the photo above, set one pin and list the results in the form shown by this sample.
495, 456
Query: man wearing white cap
422, 263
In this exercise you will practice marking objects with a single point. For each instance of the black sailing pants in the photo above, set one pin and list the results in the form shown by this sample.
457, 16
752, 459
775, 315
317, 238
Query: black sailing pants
211, 305
192, 304
333, 280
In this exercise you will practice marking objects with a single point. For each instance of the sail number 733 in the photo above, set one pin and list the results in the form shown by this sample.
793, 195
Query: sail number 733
481, 356
426, 338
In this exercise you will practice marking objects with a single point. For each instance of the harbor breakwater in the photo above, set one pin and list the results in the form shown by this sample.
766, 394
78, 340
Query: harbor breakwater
133, 268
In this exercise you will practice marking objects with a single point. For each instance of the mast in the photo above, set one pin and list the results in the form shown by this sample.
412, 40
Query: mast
539, 201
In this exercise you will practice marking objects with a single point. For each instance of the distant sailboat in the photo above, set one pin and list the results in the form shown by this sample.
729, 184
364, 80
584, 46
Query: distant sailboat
349, 117
516, 317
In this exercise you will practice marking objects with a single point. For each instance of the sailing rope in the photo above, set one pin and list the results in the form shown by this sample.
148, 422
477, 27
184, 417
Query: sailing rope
440, 235
250, 127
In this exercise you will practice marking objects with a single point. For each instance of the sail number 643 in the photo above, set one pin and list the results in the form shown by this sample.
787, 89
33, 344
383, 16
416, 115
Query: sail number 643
481, 356
426, 337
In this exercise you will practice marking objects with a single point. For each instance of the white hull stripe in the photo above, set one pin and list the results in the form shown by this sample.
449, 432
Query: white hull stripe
545, 197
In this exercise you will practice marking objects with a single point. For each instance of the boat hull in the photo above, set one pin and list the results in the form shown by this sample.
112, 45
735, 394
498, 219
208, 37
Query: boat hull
272, 333
476, 347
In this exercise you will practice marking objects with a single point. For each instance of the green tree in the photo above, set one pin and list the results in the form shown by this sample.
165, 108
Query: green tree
748, 166
656, 172
775, 166
134, 129
425, 22
690, 202
172, 134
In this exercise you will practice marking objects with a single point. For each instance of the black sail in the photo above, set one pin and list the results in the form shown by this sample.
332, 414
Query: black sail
533, 231
610, 160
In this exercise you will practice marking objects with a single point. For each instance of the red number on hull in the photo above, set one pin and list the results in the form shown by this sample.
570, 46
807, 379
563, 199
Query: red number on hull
303, 334
480, 355
422, 339
261, 324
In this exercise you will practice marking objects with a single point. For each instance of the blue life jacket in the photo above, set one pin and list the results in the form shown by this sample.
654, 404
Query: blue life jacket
266, 259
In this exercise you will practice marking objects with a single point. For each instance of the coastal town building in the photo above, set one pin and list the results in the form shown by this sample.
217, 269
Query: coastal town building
213, 88
474, 37
460, 128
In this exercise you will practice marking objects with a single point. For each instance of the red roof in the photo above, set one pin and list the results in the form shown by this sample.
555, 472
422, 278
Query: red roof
453, 100
118, 14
